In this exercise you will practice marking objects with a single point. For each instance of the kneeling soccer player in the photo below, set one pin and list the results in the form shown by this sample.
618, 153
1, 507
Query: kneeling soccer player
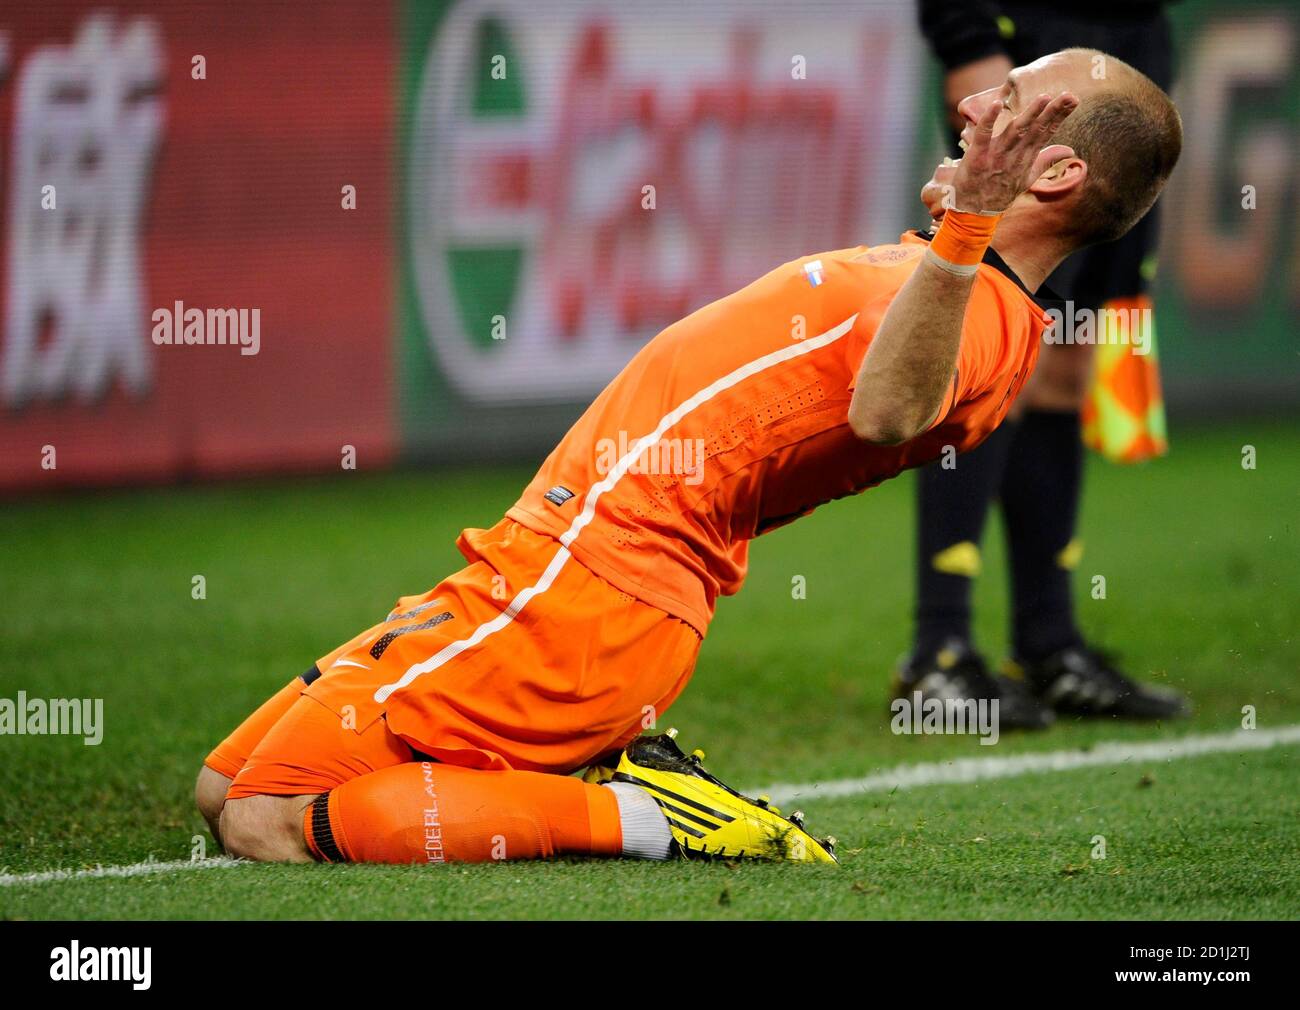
449, 731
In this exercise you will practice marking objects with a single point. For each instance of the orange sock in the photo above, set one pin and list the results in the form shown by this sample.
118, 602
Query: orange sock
425, 812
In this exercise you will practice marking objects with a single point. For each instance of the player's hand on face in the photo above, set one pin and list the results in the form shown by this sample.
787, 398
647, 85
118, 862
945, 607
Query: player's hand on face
998, 168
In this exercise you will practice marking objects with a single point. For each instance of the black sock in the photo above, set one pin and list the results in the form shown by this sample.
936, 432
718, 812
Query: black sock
1040, 493
951, 507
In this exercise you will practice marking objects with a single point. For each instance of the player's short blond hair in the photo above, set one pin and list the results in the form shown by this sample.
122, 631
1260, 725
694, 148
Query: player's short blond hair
1131, 135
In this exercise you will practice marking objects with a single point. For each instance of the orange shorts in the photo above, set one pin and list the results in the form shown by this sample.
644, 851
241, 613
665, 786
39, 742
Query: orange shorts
524, 659
308, 750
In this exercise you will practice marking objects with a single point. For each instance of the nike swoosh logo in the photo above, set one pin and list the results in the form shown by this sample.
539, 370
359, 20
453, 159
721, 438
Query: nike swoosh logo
348, 662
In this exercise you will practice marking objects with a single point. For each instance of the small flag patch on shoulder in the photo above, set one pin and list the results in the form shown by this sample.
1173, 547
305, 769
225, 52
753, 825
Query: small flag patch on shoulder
558, 495
813, 271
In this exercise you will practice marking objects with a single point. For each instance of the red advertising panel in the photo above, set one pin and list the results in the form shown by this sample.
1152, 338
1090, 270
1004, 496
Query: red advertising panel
195, 239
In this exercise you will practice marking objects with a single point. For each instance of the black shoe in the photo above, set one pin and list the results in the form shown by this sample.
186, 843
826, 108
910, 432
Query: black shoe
956, 672
1082, 681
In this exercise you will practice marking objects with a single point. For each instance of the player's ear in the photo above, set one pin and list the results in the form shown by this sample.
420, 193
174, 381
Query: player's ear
1061, 178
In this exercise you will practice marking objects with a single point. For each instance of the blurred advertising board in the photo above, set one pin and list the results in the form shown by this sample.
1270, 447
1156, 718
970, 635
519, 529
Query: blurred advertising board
577, 175
176, 170
247, 237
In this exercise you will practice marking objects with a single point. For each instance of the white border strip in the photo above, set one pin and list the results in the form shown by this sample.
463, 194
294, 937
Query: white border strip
965, 770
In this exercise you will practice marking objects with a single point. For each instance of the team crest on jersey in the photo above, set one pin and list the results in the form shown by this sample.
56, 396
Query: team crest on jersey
813, 271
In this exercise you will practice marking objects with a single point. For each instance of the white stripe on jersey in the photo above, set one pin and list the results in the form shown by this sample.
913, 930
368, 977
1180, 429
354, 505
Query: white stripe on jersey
584, 518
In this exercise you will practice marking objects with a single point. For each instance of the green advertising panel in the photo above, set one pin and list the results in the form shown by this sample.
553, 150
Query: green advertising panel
1228, 287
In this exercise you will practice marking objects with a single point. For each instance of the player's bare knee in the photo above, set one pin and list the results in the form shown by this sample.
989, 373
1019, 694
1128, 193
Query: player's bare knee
267, 829
210, 796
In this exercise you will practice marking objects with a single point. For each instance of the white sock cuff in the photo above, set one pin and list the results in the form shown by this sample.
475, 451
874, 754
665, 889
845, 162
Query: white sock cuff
645, 830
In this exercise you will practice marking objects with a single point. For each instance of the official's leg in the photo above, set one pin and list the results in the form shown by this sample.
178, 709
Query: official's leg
1040, 495
952, 505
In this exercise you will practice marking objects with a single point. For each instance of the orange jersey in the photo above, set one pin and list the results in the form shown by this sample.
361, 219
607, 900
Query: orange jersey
734, 421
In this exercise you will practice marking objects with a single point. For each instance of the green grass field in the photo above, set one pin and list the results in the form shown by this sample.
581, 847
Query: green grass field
1202, 586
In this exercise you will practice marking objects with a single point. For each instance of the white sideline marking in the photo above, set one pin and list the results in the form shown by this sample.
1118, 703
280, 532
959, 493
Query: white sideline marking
133, 870
903, 776
962, 770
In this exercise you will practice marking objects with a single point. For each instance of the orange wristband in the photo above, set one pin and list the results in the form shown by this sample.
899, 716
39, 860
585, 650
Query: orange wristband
962, 239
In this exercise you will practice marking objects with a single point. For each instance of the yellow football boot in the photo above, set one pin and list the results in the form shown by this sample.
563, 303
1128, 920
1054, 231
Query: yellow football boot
709, 819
